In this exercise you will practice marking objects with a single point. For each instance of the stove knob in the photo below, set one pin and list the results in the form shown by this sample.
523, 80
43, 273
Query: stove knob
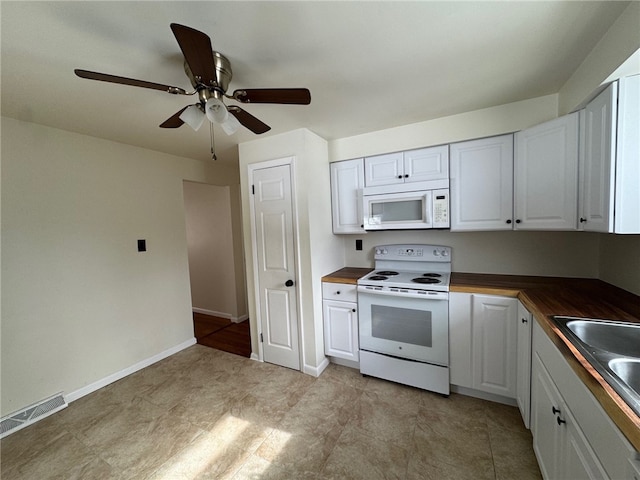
445, 253
378, 251
384, 251
436, 253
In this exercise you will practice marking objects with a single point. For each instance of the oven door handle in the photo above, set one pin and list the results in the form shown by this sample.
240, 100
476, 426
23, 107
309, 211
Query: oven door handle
428, 295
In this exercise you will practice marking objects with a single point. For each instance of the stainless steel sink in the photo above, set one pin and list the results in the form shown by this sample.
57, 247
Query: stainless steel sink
612, 348
628, 371
614, 337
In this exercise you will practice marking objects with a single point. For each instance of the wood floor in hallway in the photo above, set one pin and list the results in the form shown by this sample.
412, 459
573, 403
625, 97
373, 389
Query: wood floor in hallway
222, 334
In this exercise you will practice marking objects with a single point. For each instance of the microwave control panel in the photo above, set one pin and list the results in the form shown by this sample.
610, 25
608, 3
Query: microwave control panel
441, 208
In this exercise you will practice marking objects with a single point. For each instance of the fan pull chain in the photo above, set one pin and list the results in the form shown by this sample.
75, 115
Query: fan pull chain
213, 144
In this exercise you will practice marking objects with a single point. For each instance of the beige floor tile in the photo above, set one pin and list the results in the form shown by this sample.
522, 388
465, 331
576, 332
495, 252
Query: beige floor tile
379, 417
258, 468
443, 438
205, 414
147, 446
216, 454
66, 457
302, 441
360, 456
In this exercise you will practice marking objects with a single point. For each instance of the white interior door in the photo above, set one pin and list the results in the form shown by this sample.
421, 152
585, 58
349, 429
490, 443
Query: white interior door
277, 288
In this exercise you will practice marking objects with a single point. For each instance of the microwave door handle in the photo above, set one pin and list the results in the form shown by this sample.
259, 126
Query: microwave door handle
428, 209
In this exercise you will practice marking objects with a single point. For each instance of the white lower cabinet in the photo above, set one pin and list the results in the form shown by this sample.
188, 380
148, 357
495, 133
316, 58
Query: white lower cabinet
523, 381
573, 437
483, 339
340, 316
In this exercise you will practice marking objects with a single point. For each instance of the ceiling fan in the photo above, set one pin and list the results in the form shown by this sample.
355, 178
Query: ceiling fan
210, 74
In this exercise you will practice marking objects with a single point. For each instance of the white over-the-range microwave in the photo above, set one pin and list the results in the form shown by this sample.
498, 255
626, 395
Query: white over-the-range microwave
418, 205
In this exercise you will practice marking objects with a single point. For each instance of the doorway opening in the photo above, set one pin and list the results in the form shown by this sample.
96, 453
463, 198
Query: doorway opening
216, 266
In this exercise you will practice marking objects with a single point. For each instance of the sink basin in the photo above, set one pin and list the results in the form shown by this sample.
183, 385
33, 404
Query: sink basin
612, 348
628, 371
614, 337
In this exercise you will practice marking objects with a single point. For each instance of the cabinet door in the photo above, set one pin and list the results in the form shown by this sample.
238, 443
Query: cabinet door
426, 164
523, 382
384, 169
561, 448
481, 182
545, 400
600, 126
340, 329
546, 175
494, 338
347, 181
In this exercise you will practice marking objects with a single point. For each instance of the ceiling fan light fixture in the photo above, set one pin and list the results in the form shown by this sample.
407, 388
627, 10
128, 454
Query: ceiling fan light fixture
193, 117
216, 111
230, 125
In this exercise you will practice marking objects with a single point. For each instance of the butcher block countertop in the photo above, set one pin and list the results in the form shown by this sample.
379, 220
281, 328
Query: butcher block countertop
349, 275
545, 297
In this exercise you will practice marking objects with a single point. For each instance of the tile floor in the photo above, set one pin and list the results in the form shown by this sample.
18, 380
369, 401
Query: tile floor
207, 414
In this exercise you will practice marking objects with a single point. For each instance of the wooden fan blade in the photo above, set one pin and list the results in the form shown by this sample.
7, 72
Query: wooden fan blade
174, 121
103, 77
197, 51
248, 120
296, 96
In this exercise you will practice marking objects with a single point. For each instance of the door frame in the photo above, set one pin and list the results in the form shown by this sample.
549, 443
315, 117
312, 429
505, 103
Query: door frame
291, 161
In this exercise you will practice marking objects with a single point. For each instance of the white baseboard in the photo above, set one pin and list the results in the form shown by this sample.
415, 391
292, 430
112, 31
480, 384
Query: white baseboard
345, 363
228, 316
492, 397
316, 371
255, 357
73, 396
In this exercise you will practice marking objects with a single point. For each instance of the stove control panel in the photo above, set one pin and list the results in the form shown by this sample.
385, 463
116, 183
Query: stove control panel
418, 252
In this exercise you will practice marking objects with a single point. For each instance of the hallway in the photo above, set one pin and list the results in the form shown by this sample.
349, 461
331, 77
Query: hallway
222, 334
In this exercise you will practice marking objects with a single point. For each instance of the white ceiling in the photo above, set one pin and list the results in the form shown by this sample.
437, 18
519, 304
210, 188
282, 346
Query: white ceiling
369, 65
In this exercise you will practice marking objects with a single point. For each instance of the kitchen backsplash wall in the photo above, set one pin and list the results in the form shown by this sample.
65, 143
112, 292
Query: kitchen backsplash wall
569, 254
620, 261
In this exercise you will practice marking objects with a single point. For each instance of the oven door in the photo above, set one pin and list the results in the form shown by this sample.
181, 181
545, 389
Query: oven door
413, 328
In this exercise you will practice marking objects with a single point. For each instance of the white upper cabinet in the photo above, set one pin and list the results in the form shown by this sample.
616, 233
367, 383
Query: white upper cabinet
610, 197
347, 181
546, 175
481, 184
404, 167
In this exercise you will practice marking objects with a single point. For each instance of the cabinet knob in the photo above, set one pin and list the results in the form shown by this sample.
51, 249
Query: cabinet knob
560, 421
399, 176
288, 283
508, 221
353, 310
518, 221
406, 175
583, 220
338, 292
524, 320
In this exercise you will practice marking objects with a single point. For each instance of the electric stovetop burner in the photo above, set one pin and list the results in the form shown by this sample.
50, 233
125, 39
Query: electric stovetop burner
378, 277
425, 280
432, 275
386, 273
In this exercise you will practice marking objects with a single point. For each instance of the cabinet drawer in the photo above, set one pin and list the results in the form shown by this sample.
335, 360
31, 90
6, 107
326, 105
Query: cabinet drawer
339, 291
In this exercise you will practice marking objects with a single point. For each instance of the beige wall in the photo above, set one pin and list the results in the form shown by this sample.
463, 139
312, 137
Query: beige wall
212, 256
79, 303
620, 261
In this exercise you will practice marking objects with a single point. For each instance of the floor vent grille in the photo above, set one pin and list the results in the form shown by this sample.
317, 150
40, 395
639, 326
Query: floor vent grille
18, 420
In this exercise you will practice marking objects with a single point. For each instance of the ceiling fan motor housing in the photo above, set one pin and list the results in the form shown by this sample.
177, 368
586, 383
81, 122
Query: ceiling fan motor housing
223, 72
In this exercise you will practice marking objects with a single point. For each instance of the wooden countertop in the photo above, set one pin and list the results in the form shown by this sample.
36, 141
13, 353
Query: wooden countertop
590, 298
349, 275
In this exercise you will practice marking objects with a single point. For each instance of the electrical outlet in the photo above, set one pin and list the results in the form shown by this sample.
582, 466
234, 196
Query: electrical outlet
358, 244
142, 245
